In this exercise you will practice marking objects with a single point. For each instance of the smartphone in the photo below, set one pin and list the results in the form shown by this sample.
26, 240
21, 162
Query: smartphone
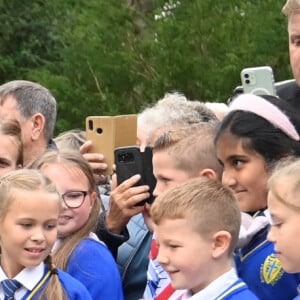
128, 161
131, 161
258, 81
148, 175
110, 132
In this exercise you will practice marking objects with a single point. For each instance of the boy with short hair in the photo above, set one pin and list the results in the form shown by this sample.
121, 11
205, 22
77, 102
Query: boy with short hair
185, 153
197, 227
178, 155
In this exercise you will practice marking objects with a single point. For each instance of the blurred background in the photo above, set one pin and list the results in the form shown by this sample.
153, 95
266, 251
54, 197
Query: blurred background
104, 57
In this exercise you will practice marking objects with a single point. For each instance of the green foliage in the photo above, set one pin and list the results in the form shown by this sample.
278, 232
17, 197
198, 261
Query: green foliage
102, 57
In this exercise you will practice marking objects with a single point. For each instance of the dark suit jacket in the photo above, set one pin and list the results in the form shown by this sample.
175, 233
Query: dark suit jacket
290, 92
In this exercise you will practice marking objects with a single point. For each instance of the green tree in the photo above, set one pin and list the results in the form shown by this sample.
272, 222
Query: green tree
102, 57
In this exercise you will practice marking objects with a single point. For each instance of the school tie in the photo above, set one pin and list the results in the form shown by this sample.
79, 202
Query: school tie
9, 287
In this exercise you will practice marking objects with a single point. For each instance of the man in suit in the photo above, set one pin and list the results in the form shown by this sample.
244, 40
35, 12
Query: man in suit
290, 90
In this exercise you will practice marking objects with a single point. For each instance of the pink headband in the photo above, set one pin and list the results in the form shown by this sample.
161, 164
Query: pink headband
266, 110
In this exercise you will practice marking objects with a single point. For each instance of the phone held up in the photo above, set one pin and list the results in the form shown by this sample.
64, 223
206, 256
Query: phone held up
130, 161
110, 132
258, 81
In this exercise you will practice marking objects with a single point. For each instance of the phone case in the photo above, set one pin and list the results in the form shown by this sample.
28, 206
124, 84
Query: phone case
258, 81
148, 175
130, 161
110, 132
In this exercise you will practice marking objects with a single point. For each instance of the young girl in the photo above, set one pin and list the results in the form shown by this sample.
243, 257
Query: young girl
252, 138
29, 209
284, 207
78, 251
11, 149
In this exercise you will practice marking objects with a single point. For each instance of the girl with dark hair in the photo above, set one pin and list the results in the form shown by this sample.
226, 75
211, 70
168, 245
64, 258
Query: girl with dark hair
258, 132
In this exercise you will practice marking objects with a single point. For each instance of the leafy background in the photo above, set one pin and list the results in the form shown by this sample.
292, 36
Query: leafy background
102, 57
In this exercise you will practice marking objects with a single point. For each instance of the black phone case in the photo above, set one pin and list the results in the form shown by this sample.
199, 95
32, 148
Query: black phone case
130, 161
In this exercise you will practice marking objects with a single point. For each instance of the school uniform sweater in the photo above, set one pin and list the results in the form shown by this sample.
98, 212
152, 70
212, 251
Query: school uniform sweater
35, 279
93, 265
226, 287
258, 266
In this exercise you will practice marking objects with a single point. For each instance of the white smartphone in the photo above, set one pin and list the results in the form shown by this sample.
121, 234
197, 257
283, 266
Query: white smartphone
258, 81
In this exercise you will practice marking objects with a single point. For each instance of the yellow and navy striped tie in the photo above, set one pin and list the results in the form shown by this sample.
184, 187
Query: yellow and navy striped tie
9, 287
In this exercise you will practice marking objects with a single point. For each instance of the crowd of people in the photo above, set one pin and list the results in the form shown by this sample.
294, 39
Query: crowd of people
224, 221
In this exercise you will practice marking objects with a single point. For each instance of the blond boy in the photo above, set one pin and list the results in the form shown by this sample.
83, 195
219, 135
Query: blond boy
197, 227
178, 156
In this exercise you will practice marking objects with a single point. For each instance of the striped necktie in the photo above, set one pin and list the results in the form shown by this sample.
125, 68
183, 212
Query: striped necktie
9, 287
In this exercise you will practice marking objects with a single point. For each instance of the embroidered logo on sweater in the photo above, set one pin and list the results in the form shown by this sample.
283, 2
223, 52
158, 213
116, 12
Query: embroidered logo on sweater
271, 270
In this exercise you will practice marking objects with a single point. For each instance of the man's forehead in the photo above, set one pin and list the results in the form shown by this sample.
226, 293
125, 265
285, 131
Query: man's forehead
294, 21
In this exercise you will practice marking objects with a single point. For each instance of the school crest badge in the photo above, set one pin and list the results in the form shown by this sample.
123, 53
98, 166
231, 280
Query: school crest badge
271, 270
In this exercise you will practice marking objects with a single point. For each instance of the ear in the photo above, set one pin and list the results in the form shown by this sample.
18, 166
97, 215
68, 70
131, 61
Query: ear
210, 173
93, 197
38, 125
221, 242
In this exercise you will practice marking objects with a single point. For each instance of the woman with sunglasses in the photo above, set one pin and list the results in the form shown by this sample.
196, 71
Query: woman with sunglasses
77, 250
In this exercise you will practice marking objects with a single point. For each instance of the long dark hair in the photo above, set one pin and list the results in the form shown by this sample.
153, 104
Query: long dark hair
260, 135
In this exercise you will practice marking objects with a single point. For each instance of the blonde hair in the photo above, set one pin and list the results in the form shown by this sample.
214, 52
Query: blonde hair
31, 180
290, 7
72, 159
288, 172
192, 148
72, 139
209, 206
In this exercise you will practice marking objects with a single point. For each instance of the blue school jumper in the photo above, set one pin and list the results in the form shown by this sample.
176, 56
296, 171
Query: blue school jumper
93, 265
238, 290
258, 266
74, 289
226, 287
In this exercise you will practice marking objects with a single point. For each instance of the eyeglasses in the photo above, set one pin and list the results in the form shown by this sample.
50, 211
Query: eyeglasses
74, 199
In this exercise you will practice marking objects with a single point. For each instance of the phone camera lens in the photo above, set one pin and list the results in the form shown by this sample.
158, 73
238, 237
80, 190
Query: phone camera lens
247, 81
246, 75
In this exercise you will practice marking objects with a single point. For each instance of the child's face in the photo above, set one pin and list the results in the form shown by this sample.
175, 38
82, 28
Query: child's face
28, 230
244, 172
284, 230
8, 154
184, 254
166, 173
67, 179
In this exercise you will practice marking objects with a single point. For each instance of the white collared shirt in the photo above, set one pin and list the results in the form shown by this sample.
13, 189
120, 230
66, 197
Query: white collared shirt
215, 289
28, 277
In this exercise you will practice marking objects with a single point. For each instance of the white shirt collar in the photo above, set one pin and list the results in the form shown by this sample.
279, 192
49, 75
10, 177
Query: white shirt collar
213, 290
28, 277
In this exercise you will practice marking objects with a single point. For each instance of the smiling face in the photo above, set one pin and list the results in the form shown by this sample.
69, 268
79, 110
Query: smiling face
178, 242
70, 178
244, 172
28, 230
285, 228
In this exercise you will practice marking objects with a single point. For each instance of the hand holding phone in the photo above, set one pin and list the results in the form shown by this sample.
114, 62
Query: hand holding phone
131, 161
108, 133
